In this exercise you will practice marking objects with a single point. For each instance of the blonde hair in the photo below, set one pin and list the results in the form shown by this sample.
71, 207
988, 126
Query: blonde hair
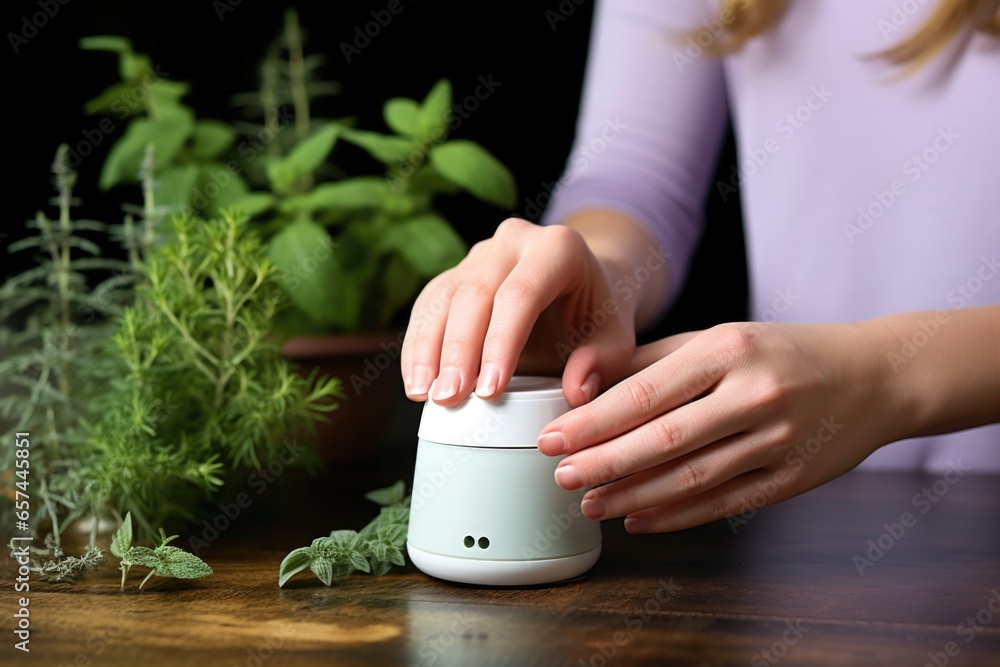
951, 19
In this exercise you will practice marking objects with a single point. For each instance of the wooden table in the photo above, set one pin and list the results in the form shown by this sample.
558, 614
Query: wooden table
783, 589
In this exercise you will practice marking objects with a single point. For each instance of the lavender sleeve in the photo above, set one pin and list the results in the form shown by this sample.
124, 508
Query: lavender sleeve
650, 124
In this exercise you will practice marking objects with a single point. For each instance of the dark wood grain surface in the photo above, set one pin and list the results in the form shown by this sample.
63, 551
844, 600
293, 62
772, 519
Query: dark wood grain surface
783, 588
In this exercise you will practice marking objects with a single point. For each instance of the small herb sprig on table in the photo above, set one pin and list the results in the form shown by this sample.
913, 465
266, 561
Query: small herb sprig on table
375, 549
163, 561
53, 565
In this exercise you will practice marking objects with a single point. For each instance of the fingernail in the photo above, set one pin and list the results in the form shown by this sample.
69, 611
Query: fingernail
591, 386
594, 508
635, 525
552, 443
421, 380
489, 379
568, 478
446, 385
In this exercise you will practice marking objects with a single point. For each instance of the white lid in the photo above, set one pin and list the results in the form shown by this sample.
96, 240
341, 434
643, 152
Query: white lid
513, 419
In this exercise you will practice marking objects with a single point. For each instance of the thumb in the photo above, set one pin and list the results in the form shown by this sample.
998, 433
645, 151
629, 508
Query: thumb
597, 364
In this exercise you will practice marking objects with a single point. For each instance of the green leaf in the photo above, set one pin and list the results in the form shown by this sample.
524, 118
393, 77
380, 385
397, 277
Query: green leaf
211, 138
175, 185
400, 283
111, 43
133, 66
219, 188
175, 562
168, 135
427, 242
396, 557
400, 115
305, 158
311, 276
342, 538
359, 562
380, 568
166, 93
323, 569
468, 164
295, 562
143, 556
435, 112
347, 195
114, 98
121, 541
390, 495
386, 149
254, 203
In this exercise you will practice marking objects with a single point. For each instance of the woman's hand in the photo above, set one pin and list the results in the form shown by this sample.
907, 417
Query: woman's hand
718, 423
530, 289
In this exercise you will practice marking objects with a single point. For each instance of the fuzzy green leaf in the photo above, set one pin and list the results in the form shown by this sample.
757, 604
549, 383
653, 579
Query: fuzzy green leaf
111, 43
427, 242
143, 556
121, 541
175, 185
401, 114
167, 135
218, 188
211, 138
386, 149
380, 568
307, 156
396, 557
359, 562
435, 112
311, 276
115, 99
390, 495
347, 195
468, 164
323, 569
175, 562
295, 562
254, 203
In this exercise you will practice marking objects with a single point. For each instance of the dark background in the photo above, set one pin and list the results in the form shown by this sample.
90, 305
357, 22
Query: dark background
527, 123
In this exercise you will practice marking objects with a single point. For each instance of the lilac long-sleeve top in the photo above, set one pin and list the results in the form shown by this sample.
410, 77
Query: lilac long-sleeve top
863, 193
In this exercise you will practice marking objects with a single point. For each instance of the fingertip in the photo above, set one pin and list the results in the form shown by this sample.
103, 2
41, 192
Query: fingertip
636, 525
552, 444
578, 394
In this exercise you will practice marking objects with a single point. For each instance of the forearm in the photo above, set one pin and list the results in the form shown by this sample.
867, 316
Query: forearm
941, 368
633, 260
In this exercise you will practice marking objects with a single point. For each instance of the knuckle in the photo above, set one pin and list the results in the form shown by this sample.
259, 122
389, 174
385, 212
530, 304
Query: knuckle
722, 506
516, 290
666, 434
785, 433
475, 289
771, 393
736, 343
512, 226
692, 478
641, 394
563, 235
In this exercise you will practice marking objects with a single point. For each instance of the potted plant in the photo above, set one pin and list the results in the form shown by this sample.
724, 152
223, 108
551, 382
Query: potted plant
355, 249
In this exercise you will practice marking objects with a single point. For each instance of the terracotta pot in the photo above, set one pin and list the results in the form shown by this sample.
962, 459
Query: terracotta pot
368, 368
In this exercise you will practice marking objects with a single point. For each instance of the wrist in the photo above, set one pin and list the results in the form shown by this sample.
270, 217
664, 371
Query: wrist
897, 385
